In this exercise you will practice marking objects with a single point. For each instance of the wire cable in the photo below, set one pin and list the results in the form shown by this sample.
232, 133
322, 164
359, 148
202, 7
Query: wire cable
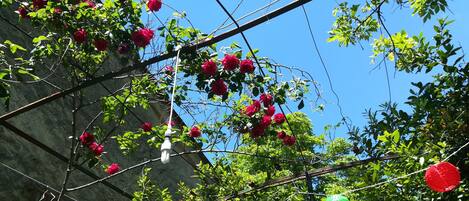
323, 63
34, 180
299, 145
404, 176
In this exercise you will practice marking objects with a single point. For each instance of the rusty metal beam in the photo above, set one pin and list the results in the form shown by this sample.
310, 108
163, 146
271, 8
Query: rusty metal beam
155, 59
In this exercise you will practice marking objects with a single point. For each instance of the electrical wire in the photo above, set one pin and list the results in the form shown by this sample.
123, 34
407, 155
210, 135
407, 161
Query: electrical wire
244, 16
34, 180
298, 145
400, 177
323, 63
174, 87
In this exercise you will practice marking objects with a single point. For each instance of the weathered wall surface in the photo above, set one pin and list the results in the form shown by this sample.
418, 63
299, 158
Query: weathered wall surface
51, 124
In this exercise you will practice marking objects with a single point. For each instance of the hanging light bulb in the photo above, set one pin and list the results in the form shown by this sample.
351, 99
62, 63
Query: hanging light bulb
166, 146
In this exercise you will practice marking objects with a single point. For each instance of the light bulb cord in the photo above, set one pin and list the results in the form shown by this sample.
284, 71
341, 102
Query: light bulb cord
173, 92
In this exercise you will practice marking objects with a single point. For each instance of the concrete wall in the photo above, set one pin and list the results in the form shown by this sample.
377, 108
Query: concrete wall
50, 124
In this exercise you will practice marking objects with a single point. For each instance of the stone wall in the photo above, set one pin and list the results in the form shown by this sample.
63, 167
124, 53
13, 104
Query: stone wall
51, 124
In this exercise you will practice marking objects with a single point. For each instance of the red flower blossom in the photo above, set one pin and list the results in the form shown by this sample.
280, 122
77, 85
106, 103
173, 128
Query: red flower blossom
209, 68
230, 62
96, 148
100, 44
23, 12
169, 69
113, 168
256, 104
39, 3
195, 132
270, 110
219, 87
279, 118
266, 120
80, 35
443, 177
146, 126
289, 140
281, 134
250, 110
142, 37
154, 5
90, 3
57, 11
257, 131
246, 66
266, 99
123, 48
86, 138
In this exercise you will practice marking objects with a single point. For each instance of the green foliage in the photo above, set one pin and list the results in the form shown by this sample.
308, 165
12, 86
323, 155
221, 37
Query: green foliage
149, 191
427, 8
141, 89
13, 67
436, 123
265, 159
350, 26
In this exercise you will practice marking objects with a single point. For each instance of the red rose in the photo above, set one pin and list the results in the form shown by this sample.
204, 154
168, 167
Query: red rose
266, 120
250, 110
209, 68
154, 5
86, 138
279, 118
100, 44
123, 48
23, 12
39, 3
219, 87
230, 62
257, 131
256, 104
96, 148
169, 69
195, 132
246, 66
57, 11
142, 37
281, 134
90, 3
113, 168
266, 99
270, 110
146, 126
292, 140
289, 140
80, 35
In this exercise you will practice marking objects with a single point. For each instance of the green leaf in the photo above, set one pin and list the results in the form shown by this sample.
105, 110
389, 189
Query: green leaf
382, 138
39, 39
250, 54
14, 47
396, 136
301, 105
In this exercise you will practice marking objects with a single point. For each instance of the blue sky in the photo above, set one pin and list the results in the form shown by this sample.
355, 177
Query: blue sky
286, 39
